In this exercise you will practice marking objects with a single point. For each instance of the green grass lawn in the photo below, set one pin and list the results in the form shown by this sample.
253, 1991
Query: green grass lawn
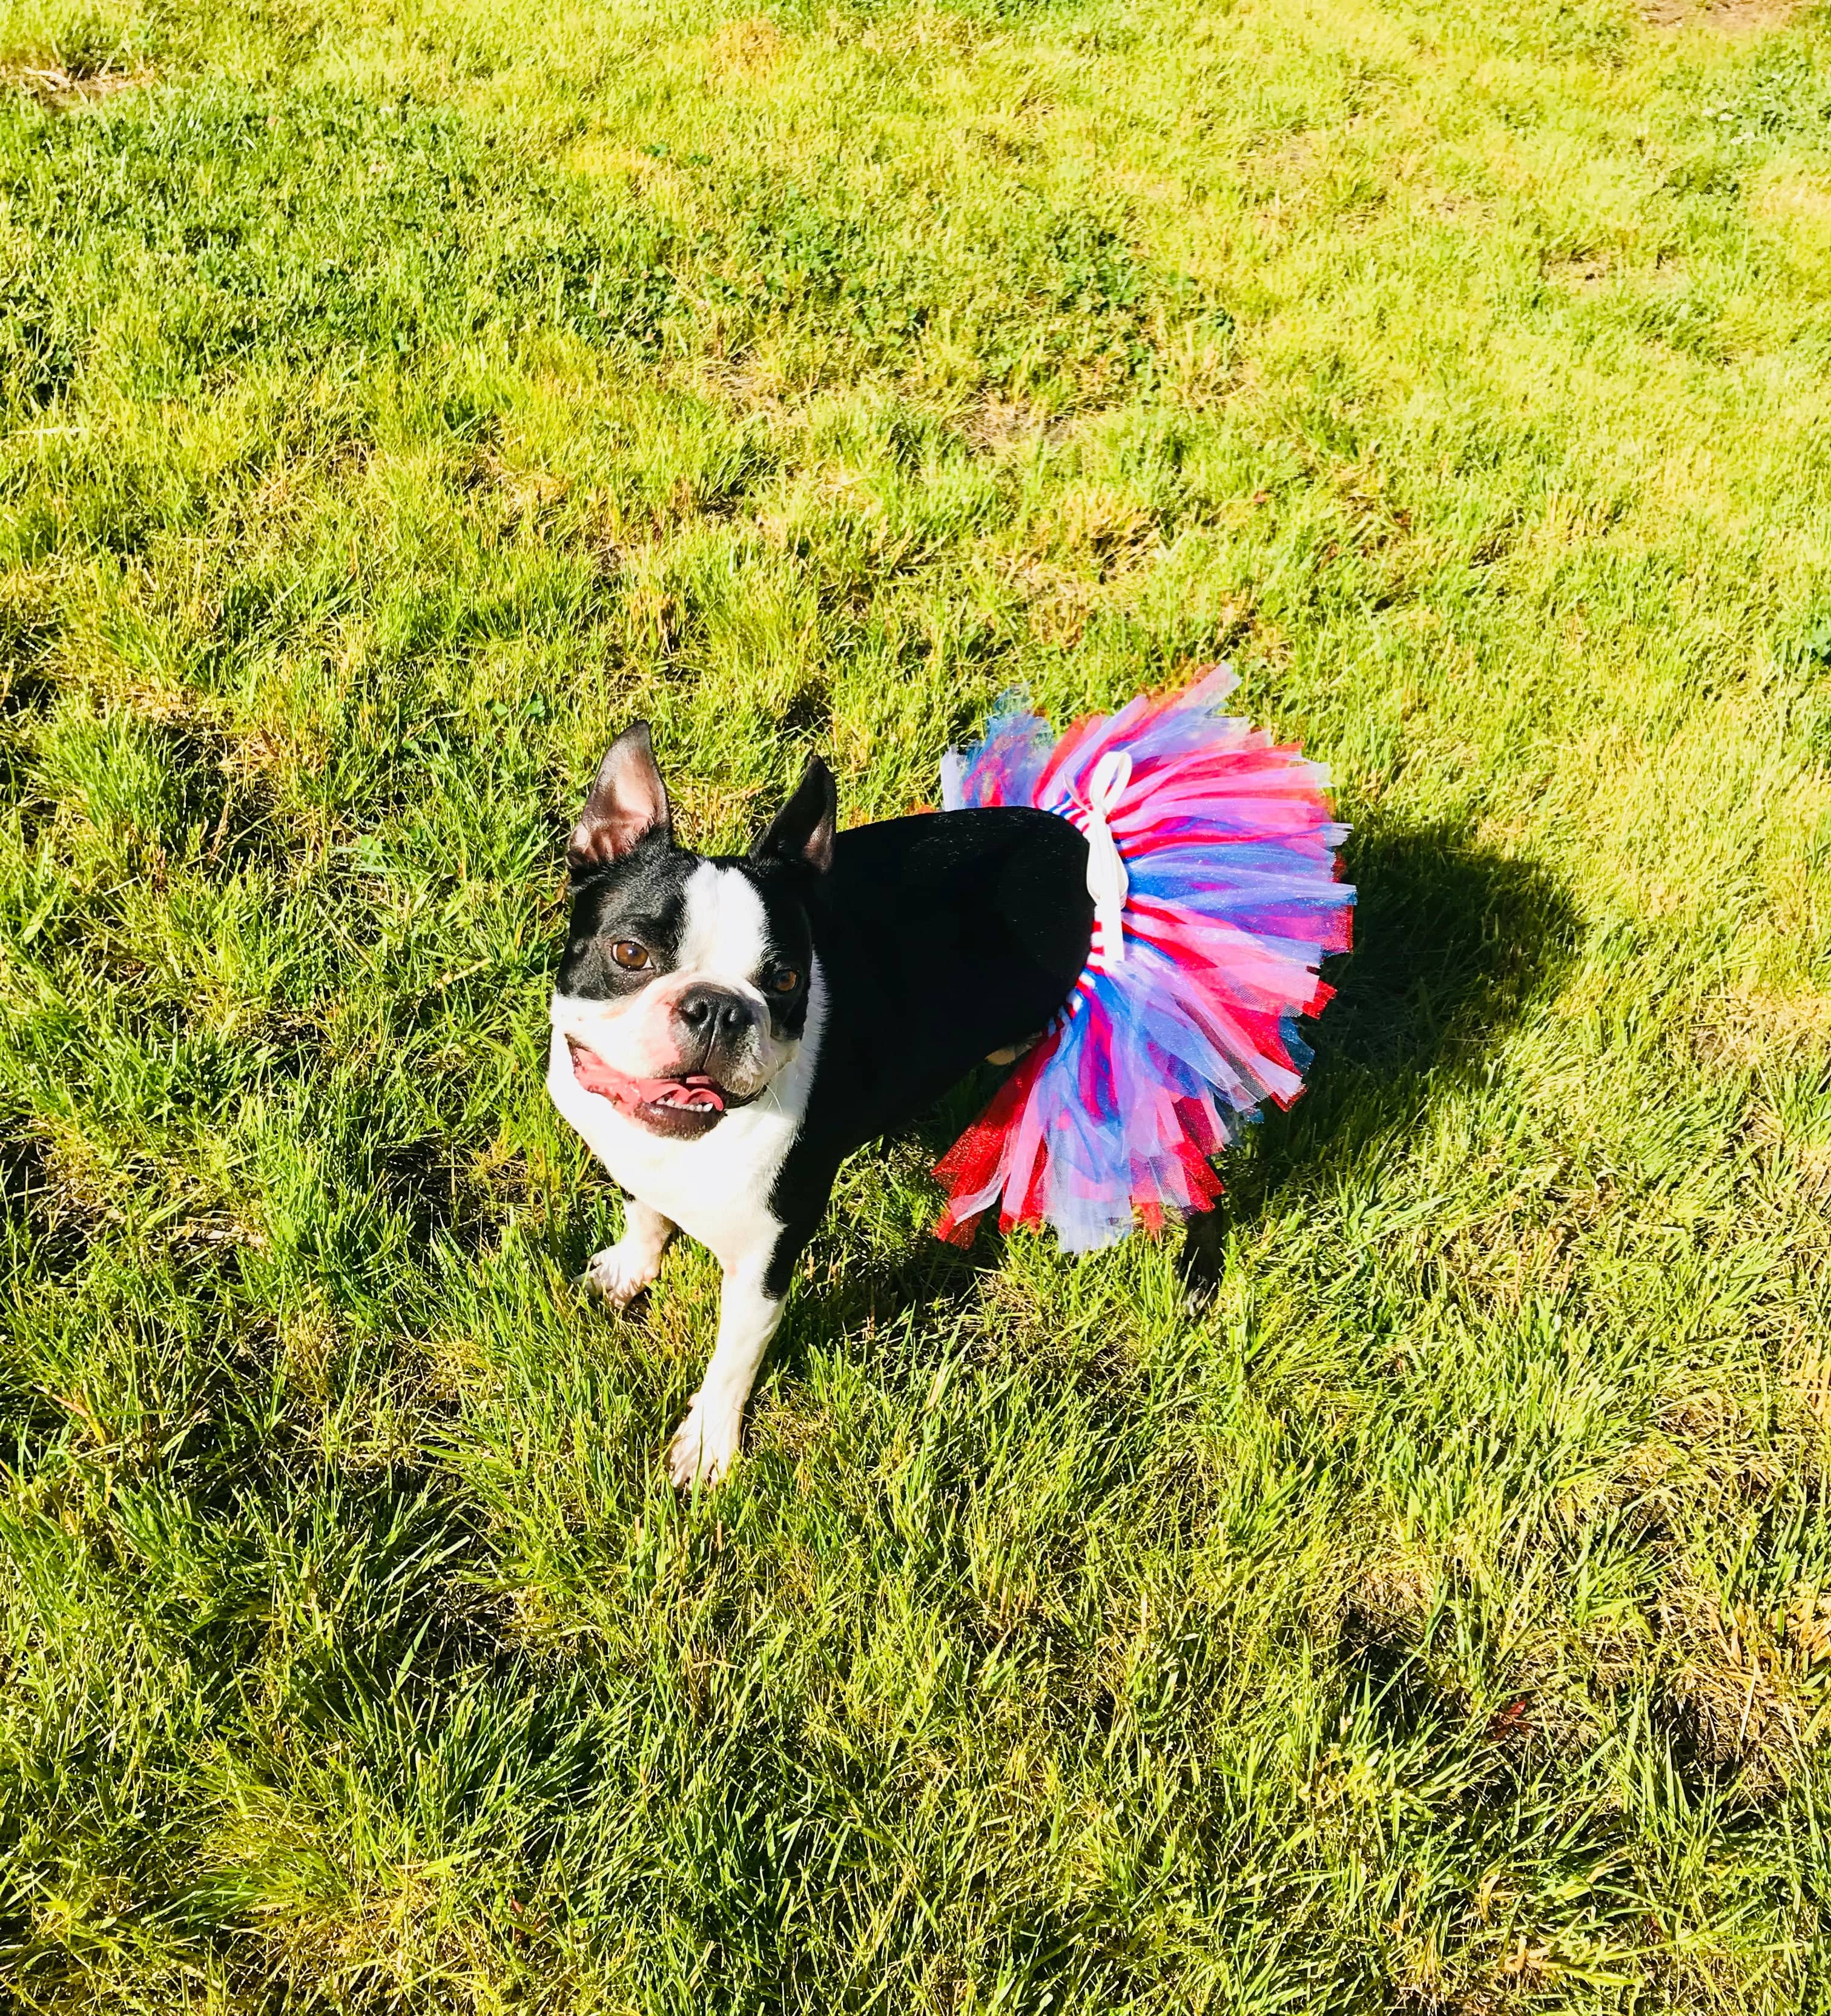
396, 399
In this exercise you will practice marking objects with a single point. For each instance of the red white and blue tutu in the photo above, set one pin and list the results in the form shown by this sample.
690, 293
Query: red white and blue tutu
1211, 925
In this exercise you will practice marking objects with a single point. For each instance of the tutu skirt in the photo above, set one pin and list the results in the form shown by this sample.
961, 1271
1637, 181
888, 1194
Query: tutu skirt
1161, 1054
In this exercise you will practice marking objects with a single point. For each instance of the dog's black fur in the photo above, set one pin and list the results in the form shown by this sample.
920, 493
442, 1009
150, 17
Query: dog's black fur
942, 938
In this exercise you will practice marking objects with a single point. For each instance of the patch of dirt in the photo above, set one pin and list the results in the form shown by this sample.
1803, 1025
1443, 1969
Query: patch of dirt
740, 383
744, 51
1745, 1687
994, 425
1093, 530
716, 811
1725, 17
1750, 1026
63, 90
1582, 276
520, 501
1796, 200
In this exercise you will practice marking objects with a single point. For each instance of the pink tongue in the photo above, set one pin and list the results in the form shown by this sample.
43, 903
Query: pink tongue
694, 1091
608, 1082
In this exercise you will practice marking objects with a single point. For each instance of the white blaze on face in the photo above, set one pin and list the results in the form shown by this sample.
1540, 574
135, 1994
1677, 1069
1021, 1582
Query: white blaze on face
724, 936
726, 933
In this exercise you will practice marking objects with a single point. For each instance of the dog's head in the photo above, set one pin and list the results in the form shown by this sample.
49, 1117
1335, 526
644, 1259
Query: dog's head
683, 988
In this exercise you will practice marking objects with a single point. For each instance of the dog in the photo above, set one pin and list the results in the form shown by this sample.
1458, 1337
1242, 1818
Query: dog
727, 1029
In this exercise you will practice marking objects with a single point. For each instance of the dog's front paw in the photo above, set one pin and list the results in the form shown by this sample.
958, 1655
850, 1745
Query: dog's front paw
705, 1445
619, 1274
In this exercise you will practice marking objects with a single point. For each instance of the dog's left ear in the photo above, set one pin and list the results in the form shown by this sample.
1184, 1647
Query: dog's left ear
803, 831
627, 802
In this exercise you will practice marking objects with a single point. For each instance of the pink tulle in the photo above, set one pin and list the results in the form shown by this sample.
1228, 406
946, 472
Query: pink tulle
1154, 1065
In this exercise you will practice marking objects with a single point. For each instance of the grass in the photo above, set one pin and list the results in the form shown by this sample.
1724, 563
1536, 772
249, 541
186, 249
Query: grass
396, 399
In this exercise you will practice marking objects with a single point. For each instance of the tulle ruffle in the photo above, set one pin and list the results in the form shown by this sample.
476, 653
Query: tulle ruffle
1155, 1064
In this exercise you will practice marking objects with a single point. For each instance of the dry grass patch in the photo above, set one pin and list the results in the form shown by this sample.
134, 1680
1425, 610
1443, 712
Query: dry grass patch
1723, 17
66, 90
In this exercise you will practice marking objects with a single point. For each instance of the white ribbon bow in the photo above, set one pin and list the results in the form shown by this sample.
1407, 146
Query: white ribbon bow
1107, 880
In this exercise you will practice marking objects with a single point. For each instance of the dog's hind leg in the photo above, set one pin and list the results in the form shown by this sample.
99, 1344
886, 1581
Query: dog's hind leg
621, 1273
1199, 1265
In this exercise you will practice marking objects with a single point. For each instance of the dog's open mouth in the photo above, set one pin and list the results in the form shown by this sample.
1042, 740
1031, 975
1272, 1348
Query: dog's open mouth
692, 1103
694, 1094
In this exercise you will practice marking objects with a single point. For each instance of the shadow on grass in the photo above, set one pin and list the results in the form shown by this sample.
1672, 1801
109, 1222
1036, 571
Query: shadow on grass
873, 1288
42, 1234
1453, 942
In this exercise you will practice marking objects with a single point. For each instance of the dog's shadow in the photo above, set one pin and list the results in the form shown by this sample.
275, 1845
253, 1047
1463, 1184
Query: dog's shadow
1453, 941
898, 1276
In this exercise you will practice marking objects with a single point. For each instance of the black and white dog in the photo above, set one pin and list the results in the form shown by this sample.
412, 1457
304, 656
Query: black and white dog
726, 1030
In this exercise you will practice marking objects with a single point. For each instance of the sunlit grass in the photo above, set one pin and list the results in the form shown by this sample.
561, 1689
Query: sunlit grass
394, 403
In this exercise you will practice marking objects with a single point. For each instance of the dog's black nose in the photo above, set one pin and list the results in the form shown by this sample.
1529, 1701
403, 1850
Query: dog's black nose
714, 1015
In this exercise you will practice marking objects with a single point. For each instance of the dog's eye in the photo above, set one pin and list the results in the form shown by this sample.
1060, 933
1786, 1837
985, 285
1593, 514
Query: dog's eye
630, 955
785, 980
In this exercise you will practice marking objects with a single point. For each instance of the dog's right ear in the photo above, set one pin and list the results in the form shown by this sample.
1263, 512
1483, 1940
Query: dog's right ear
803, 831
627, 802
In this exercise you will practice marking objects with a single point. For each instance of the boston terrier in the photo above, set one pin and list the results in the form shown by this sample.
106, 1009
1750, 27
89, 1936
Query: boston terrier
726, 1029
